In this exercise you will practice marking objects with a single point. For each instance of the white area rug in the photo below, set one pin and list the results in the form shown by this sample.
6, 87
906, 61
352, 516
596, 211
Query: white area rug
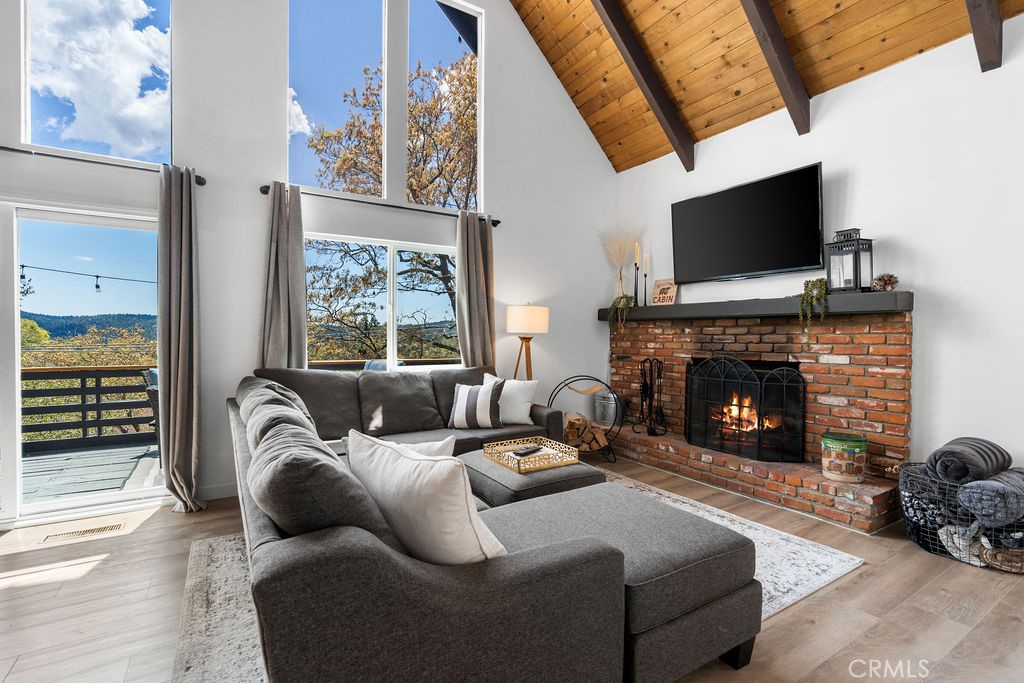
789, 567
218, 638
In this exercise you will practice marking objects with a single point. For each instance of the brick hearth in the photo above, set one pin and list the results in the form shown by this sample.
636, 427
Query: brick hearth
798, 486
858, 372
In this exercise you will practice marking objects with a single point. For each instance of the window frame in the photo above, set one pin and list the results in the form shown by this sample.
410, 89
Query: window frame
395, 155
391, 311
23, 128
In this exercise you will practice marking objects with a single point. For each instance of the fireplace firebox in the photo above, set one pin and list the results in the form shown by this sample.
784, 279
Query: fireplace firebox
754, 409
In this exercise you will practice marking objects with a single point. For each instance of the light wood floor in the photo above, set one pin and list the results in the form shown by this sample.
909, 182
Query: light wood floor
107, 608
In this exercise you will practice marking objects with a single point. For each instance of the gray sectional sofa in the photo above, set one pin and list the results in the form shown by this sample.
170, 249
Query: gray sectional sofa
600, 583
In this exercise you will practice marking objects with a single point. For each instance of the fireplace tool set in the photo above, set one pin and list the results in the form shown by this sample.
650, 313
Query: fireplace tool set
652, 414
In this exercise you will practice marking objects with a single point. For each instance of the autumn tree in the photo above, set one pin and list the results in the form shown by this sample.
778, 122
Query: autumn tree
442, 141
348, 280
32, 334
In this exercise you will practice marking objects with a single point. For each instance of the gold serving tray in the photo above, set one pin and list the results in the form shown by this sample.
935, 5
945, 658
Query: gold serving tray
552, 454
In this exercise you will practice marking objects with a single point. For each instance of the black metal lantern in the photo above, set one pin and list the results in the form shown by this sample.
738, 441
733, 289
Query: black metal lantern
850, 262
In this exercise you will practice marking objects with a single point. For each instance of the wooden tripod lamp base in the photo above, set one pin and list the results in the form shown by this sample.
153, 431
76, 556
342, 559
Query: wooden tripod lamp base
524, 346
526, 321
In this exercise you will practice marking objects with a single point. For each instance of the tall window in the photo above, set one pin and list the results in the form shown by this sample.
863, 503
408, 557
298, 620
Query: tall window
442, 167
337, 115
99, 77
335, 108
379, 302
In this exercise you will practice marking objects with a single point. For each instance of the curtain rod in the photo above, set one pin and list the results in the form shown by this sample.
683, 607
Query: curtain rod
200, 180
265, 189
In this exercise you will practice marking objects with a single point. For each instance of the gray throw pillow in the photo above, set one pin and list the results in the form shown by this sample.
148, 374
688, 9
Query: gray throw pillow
267, 416
252, 391
397, 402
301, 485
331, 396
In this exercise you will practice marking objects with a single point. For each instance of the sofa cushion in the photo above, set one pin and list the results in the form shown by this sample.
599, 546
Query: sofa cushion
395, 402
300, 484
463, 444
516, 399
254, 391
477, 406
445, 379
498, 485
331, 396
267, 416
674, 561
500, 434
426, 499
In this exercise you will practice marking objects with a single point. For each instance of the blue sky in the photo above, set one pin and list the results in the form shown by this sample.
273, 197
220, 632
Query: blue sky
324, 64
116, 101
87, 249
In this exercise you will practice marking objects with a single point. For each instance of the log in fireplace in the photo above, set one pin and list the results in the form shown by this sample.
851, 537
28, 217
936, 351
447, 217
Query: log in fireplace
751, 408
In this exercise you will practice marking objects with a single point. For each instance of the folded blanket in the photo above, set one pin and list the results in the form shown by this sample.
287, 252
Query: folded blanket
968, 459
996, 501
961, 545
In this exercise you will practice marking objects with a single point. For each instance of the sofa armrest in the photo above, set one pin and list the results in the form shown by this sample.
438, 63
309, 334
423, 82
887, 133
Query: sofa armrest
337, 604
550, 419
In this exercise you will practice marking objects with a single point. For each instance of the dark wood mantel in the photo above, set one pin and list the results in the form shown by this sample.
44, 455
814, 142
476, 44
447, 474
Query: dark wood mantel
846, 304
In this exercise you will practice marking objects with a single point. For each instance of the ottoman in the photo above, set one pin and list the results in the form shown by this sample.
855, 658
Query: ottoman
497, 485
689, 587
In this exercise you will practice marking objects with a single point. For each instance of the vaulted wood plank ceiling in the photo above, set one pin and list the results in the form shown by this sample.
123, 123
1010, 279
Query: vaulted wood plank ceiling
707, 58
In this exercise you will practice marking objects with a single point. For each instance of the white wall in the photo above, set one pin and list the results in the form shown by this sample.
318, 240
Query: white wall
544, 176
925, 157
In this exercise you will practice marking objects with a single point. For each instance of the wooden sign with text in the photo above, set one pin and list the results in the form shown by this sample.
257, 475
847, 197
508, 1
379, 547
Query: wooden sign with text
664, 292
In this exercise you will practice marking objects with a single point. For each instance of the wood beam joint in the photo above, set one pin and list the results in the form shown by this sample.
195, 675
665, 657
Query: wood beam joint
658, 97
987, 28
780, 62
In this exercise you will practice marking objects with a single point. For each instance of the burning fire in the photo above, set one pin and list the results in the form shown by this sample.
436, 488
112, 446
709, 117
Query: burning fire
740, 415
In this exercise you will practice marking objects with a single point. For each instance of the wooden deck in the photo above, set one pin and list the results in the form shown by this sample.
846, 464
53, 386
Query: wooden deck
59, 474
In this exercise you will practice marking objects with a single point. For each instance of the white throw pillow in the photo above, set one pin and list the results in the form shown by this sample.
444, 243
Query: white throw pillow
516, 399
426, 500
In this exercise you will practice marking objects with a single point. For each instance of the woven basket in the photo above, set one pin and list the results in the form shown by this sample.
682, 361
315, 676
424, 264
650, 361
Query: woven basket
937, 522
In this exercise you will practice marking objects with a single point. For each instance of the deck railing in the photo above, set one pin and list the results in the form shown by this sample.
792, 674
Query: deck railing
84, 407
351, 365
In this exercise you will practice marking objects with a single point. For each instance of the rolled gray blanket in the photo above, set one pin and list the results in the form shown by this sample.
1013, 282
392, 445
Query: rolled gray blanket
968, 459
996, 501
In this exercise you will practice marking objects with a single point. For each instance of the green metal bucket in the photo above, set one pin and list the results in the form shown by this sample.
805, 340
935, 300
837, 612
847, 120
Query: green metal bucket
844, 457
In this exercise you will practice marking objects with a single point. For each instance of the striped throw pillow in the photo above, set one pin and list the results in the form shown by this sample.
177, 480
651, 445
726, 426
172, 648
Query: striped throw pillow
476, 407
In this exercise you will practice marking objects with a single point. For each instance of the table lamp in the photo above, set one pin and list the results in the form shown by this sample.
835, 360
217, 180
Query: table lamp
526, 321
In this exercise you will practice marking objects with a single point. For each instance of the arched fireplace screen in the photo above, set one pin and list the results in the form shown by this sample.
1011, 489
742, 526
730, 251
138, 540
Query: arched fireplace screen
753, 409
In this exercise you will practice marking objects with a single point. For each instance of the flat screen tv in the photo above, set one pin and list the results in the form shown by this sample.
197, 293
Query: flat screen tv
765, 227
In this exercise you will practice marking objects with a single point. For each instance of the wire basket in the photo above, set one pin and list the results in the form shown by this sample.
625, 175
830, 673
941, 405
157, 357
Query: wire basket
944, 521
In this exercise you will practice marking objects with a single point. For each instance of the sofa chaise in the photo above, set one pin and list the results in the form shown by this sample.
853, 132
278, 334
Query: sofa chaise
600, 583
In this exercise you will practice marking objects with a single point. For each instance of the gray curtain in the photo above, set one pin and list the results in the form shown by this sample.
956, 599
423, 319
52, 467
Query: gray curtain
178, 335
284, 312
474, 283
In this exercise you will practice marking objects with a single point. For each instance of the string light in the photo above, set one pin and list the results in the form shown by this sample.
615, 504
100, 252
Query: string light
98, 289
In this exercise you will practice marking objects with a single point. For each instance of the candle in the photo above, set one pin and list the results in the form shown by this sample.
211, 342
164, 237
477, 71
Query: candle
645, 262
636, 253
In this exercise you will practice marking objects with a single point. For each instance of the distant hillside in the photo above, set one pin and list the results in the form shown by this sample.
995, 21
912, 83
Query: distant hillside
71, 325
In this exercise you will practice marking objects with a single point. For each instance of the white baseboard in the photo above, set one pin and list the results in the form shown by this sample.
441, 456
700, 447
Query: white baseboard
215, 491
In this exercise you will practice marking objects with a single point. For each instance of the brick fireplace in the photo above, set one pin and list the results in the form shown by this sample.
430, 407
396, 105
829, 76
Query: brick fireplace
856, 364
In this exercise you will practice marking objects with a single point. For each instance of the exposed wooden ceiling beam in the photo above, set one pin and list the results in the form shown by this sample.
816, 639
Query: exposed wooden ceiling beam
639, 64
987, 27
780, 62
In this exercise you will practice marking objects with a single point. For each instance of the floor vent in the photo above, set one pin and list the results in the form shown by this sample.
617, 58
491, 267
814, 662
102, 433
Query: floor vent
83, 532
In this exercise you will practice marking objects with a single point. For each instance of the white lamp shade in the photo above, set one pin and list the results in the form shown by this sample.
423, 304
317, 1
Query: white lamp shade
526, 320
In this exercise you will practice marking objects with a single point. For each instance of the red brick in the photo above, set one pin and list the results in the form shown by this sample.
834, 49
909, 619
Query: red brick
869, 339
873, 382
740, 487
850, 349
890, 350
833, 379
867, 360
816, 497
834, 515
797, 504
854, 413
852, 329
793, 479
767, 495
866, 426
897, 327
868, 403
889, 394
724, 472
833, 338
847, 370
780, 488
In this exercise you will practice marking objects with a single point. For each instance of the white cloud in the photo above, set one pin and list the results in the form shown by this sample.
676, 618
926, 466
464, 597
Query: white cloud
89, 53
83, 258
297, 121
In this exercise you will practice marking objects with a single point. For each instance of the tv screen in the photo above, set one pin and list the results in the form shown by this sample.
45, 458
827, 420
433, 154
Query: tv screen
768, 226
